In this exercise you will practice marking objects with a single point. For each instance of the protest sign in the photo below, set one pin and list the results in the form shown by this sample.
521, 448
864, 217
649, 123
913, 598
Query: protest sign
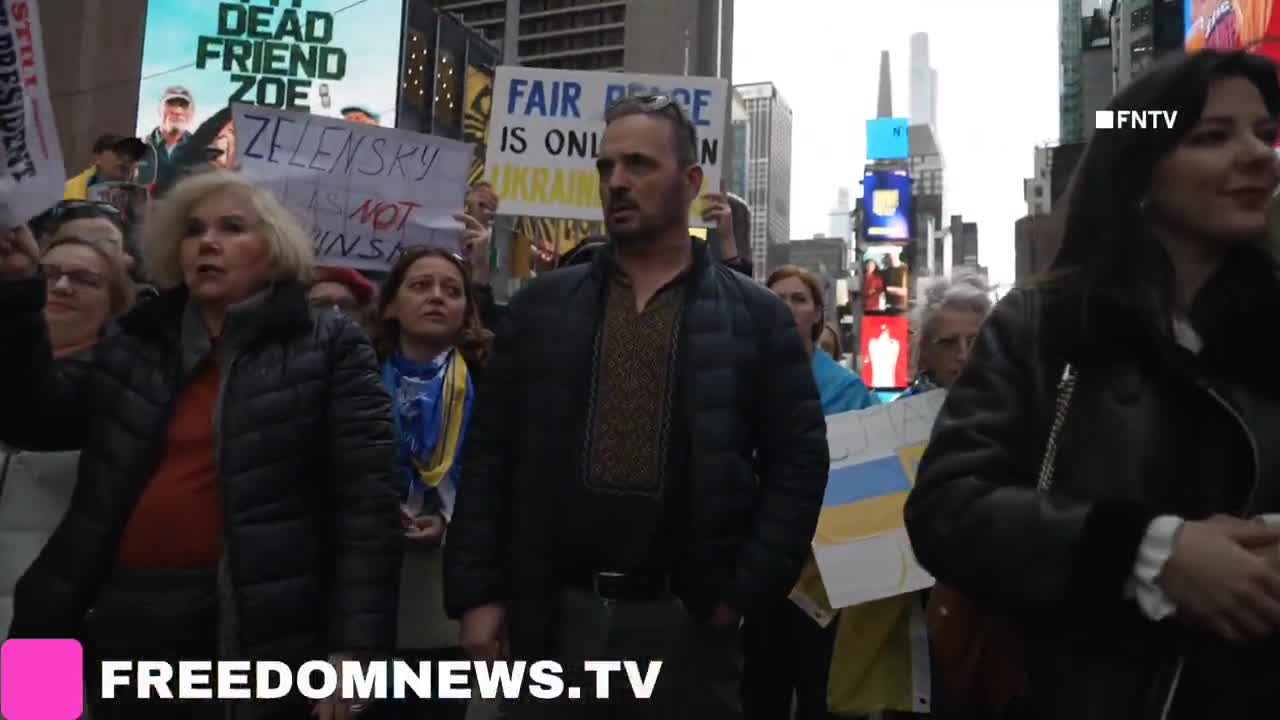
861, 544
31, 171
364, 193
547, 125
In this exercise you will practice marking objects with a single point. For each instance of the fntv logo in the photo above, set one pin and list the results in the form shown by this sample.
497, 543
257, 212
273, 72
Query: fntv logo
1135, 119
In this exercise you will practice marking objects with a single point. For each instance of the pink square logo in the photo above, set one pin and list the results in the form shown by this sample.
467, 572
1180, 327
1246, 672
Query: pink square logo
41, 680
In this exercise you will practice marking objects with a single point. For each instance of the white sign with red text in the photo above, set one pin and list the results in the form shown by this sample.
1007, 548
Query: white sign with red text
31, 171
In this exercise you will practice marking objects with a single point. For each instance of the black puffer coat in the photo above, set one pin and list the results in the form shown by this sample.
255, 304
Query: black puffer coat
757, 463
1152, 430
304, 456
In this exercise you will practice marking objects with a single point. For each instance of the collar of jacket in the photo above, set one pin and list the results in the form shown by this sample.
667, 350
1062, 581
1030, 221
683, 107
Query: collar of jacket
281, 310
602, 263
1233, 313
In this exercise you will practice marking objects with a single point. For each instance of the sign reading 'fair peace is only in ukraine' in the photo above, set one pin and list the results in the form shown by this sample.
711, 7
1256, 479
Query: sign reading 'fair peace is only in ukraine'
547, 127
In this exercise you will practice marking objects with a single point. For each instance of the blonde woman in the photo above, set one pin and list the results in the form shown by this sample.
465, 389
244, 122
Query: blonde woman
235, 496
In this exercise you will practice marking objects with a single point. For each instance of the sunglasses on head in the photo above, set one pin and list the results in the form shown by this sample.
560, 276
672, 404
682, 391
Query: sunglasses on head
640, 103
67, 207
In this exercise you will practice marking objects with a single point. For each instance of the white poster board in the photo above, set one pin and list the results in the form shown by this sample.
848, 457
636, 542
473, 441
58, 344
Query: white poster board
546, 128
31, 170
364, 193
861, 545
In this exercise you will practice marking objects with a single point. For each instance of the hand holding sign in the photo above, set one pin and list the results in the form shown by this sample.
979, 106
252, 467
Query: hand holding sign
18, 254
475, 246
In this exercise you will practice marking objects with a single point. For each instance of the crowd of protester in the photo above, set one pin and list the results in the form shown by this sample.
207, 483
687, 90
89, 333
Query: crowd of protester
212, 448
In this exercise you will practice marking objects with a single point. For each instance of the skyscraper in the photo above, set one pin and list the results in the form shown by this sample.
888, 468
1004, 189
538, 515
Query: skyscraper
884, 100
768, 170
841, 225
1083, 25
924, 84
661, 37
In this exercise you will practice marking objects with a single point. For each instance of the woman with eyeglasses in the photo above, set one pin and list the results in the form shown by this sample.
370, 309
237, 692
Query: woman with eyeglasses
235, 498
434, 351
786, 653
881, 657
86, 287
946, 321
1101, 474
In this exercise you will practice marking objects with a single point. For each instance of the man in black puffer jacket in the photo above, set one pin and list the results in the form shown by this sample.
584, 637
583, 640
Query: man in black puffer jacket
647, 460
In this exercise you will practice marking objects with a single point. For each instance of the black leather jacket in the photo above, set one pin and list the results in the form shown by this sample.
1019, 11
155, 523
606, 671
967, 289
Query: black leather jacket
1152, 430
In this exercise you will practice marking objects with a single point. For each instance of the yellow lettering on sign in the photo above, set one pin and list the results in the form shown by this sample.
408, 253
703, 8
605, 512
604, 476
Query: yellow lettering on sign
544, 186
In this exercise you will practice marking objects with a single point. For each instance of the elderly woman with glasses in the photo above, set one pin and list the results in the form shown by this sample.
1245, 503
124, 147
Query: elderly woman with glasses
235, 497
86, 287
947, 317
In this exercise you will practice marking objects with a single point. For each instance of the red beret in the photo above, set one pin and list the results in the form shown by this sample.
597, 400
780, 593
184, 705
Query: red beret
358, 284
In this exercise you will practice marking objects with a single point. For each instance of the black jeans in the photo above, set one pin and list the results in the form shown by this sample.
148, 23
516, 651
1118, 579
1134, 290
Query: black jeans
785, 653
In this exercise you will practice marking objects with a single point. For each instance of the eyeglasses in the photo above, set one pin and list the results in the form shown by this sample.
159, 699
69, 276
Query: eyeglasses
79, 279
67, 207
344, 306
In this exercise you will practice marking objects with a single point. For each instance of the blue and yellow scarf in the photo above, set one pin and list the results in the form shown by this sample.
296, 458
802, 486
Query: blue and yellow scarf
431, 405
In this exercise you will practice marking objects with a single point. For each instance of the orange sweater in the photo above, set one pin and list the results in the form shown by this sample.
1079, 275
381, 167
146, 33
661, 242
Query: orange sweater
177, 523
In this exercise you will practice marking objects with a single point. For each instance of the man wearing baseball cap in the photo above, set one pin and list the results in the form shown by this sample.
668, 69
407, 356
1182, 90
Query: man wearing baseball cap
115, 159
177, 109
358, 114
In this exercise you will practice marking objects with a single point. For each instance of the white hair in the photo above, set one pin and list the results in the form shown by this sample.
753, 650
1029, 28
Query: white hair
292, 256
965, 291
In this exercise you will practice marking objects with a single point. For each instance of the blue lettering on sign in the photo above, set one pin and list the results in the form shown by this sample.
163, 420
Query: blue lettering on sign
557, 98
695, 103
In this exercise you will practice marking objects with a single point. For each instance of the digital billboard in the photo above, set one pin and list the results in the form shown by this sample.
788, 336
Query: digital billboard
1229, 25
886, 200
886, 351
326, 57
887, 139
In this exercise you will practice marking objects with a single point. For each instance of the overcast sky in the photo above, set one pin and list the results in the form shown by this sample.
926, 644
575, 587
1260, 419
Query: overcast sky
997, 63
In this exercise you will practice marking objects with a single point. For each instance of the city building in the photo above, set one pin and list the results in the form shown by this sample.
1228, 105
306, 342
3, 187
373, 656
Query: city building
768, 172
825, 257
841, 218
1082, 25
661, 37
884, 97
438, 50
1037, 235
924, 84
93, 49
1143, 31
739, 141
964, 243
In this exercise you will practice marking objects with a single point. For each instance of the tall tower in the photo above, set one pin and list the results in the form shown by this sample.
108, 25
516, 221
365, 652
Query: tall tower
924, 84
884, 103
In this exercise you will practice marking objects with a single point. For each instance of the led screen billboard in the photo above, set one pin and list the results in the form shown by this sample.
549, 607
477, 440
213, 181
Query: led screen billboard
886, 351
1229, 24
887, 139
886, 200
326, 57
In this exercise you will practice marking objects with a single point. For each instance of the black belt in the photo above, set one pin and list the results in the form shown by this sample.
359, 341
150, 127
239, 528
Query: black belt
622, 587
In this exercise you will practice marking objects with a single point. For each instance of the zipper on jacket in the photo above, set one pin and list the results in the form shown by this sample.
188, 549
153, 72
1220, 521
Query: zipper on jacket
1253, 446
228, 371
1256, 480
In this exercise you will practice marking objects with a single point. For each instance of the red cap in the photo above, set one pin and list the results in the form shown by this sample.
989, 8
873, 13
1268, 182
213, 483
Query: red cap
358, 284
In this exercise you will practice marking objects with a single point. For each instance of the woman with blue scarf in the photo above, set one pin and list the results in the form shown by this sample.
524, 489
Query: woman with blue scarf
434, 349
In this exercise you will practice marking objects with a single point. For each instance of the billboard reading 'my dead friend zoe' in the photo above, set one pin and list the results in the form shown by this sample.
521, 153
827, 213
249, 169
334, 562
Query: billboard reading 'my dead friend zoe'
327, 57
